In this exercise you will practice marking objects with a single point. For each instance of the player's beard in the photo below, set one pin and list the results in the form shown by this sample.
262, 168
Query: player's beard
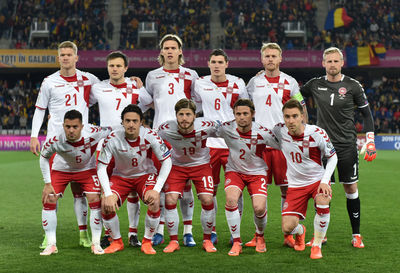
185, 126
333, 72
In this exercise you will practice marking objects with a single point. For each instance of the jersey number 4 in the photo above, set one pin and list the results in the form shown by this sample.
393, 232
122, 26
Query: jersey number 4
268, 102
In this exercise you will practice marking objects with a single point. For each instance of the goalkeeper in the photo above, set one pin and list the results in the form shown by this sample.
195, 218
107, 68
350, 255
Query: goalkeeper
336, 96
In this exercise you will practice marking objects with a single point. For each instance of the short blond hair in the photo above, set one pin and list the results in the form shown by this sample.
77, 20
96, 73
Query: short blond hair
170, 37
271, 46
68, 44
332, 50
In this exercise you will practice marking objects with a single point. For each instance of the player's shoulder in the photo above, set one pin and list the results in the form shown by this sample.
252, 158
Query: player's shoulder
52, 77
351, 81
154, 72
316, 131
320, 79
204, 123
204, 79
102, 84
287, 77
88, 75
189, 71
167, 125
261, 129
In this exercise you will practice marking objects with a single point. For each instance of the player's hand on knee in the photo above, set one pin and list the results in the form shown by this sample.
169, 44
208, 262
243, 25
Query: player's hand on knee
48, 193
110, 204
325, 189
151, 197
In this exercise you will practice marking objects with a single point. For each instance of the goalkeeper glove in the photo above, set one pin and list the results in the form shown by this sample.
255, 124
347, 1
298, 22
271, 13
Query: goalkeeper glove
369, 147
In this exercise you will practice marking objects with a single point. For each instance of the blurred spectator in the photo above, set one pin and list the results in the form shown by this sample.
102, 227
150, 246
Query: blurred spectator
81, 21
189, 19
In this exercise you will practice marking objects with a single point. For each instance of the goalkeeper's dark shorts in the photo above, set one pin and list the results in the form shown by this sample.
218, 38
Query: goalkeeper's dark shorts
347, 165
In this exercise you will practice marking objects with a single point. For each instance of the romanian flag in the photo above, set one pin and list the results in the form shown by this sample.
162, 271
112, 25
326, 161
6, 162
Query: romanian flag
361, 55
337, 18
380, 51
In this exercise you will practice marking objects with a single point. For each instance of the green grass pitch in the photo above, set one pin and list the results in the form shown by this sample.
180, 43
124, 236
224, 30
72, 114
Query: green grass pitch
21, 231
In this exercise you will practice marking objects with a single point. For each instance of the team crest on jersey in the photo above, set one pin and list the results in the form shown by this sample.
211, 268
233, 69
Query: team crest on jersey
197, 138
229, 90
342, 92
129, 90
181, 75
163, 148
87, 146
253, 141
306, 143
142, 147
281, 86
80, 83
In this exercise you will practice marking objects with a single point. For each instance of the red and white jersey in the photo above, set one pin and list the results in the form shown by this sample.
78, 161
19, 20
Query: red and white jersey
112, 99
133, 158
217, 100
304, 153
246, 150
60, 94
74, 156
189, 150
269, 95
167, 87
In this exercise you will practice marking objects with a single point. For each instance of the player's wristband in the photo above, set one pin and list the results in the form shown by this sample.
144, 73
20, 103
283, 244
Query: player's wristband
370, 137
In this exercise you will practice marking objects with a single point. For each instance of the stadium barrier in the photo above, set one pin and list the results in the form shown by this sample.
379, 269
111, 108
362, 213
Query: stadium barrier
14, 58
22, 143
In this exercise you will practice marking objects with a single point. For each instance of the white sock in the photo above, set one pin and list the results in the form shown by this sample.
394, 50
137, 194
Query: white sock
240, 205
207, 216
187, 207
81, 210
260, 222
233, 219
49, 223
321, 223
133, 209
215, 211
96, 225
150, 224
172, 220
160, 228
113, 225
298, 230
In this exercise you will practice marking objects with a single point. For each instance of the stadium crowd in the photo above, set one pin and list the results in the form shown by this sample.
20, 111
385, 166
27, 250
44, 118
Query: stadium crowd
76, 20
17, 105
245, 23
189, 19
